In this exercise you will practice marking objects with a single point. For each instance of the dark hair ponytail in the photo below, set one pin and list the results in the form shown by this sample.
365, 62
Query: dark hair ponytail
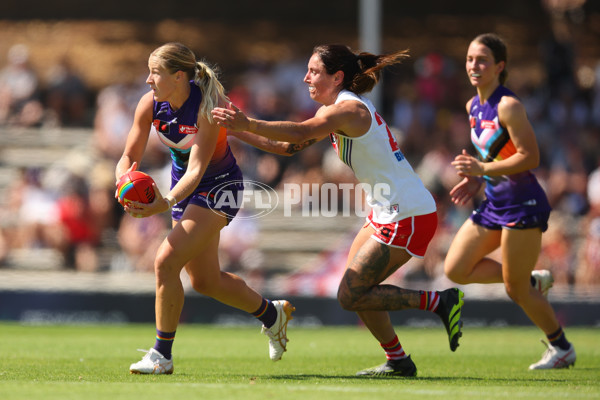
361, 71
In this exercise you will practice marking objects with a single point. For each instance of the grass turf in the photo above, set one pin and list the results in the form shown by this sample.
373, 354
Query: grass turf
214, 362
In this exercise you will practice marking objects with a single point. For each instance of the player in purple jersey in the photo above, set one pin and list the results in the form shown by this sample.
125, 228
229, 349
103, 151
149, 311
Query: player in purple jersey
515, 211
177, 108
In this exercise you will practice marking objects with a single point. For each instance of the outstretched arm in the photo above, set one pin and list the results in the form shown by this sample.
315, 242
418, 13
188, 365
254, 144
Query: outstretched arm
350, 118
272, 146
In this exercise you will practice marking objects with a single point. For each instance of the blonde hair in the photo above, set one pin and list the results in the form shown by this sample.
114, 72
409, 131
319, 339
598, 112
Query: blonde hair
178, 57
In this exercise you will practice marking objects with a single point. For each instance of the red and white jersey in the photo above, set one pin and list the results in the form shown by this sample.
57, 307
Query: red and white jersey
394, 190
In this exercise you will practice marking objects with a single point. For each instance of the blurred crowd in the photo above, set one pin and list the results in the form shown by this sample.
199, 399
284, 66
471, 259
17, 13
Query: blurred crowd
422, 101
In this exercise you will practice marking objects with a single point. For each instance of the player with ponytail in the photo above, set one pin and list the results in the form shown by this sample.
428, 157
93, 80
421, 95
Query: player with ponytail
402, 222
178, 110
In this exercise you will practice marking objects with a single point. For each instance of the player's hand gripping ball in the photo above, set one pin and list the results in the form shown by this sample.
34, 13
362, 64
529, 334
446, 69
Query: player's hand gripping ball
135, 186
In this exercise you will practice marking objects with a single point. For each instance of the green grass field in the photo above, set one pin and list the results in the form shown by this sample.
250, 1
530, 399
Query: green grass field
213, 362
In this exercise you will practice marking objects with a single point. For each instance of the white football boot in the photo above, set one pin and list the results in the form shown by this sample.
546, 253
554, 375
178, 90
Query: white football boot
152, 363
555, 357
543, 280
278, 332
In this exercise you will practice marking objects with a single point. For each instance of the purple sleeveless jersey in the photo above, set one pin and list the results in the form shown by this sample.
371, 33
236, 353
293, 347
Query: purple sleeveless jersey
512, 201
177, 129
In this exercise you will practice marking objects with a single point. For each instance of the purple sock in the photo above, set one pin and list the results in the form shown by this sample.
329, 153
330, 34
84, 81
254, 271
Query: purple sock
558, 339
164, 343
266, 313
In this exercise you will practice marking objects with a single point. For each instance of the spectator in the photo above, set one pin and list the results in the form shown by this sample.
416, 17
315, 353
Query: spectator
19, 90
36, 213
67, 95
75, 236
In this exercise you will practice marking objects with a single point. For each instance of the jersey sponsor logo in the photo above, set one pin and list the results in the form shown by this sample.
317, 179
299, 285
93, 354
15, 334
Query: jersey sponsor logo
485, 124
187, 129
473, 122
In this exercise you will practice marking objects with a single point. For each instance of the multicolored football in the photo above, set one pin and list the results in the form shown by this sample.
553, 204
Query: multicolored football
135, 186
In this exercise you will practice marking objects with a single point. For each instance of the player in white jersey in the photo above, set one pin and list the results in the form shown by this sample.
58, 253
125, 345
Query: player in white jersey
376, 160
403, 217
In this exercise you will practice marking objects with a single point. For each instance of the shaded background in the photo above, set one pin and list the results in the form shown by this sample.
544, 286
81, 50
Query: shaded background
72, 73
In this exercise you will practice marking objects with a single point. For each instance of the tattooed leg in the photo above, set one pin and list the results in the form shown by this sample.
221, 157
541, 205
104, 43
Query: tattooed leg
360, 289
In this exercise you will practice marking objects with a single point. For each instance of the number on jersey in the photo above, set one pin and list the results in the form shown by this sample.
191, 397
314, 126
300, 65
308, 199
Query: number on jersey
393, 144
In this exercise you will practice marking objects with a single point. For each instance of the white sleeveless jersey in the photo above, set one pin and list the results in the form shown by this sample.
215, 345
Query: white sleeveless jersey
394, 190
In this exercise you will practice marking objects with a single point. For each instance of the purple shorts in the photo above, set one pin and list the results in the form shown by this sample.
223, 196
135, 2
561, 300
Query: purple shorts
511, 217
216, 193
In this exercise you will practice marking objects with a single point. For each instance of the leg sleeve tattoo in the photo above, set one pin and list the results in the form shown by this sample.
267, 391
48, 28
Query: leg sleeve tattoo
360, 289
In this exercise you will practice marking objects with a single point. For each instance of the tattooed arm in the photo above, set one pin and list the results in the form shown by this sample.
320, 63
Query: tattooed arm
272, 146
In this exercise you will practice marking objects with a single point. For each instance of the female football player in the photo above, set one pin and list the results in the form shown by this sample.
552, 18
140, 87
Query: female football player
403, 217
515, 211
177, 109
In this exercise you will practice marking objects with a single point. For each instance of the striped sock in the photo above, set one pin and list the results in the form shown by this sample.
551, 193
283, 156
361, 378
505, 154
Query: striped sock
164, 343
429, 300
266, 313
558, 339
393, 350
